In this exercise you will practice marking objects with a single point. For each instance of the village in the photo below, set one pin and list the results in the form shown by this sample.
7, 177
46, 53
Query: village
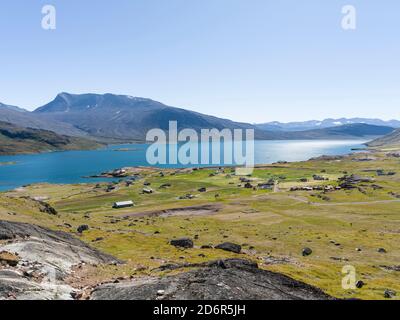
305, 219
130, 176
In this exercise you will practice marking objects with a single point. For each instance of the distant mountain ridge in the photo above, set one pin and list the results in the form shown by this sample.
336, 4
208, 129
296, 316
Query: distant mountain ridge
18, 140
126, 117
123, 118
348, 131
12, 108
23, 118
326, 123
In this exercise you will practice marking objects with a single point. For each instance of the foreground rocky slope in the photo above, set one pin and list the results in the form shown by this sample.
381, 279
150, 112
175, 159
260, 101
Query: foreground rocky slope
34, 261
318, 217
218, 280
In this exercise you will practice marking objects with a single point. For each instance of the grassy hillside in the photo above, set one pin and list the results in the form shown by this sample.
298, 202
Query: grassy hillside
17, 140
341, 226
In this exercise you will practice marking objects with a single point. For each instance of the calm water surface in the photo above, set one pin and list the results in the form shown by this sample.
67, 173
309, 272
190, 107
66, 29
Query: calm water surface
73, 166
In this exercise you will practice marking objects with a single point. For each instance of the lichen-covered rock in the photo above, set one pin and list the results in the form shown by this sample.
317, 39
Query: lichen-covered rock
232, 279
45, 259
308, 251
8, 259
228, 246
182, 243
83, 228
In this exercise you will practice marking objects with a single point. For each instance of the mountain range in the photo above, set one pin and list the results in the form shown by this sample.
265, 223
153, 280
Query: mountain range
26, 119
121, 118
326, 123
347, 131
128, 118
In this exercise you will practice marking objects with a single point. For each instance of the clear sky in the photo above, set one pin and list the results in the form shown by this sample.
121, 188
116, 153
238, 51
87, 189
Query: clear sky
247, 60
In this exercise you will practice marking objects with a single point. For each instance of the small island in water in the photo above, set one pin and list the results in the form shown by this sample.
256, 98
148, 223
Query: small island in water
8, 163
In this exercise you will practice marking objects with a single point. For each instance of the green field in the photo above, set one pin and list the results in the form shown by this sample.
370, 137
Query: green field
273, 226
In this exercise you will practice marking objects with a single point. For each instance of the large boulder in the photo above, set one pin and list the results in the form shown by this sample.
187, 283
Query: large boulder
228, 246
182, 243
232, 279
307, 252
83, 228
389, 294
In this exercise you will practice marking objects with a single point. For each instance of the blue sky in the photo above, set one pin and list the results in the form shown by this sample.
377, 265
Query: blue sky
247, 60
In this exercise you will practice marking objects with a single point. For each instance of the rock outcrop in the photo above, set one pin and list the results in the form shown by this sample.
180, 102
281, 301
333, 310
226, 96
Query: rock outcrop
218, 280
36, 263
182, 243
45, 259
228, 246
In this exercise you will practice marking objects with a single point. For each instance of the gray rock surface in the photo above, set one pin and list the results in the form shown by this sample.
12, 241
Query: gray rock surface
46, 258
306, 252
228, 246
23, 231
224, 279
182, 243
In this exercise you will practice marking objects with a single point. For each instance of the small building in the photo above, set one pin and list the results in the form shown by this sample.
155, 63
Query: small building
187, 197
318, 178
248, 185
119, 173
123, 204
41, 198
148, 191
129, 183
266, 186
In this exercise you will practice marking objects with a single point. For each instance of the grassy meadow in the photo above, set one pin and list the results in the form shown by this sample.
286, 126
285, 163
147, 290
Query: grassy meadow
342, 227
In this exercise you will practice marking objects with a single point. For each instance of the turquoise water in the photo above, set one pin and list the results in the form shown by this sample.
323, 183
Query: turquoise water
74, 166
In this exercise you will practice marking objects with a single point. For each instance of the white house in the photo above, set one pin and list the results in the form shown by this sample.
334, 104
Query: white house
123, 204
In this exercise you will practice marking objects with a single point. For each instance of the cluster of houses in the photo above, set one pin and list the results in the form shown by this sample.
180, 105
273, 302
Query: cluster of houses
394, 154
381, 172
346, 182
351, 182
269, 185
315, 188
319, 178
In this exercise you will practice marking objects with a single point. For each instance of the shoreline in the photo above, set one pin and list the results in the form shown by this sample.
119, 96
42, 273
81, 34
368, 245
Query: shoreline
104, 145
109, 176
273, 225
136, 170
